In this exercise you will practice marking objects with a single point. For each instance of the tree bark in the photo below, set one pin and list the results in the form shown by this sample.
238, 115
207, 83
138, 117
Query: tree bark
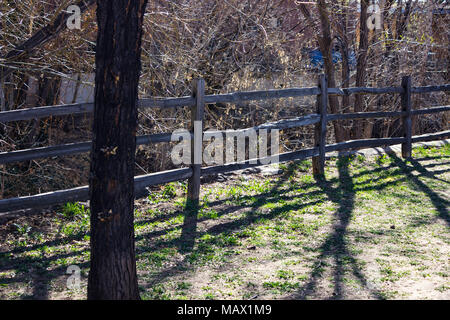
361, 68
113, 265
342, 25
326, 45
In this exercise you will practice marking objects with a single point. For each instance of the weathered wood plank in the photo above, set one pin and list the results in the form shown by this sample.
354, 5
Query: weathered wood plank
76, 148
406, 119
48, 199
45, 152
44, 200
70, 149
142, 182
280, 125
363, 143
320, 131
42, 112
430, 110
153, 138
82, 147
60, 110
429, 89
431, 137
197, 114
385, 114
165, 103
363, 90
290, 123
260, 95
77, 108
365, 115
153, 179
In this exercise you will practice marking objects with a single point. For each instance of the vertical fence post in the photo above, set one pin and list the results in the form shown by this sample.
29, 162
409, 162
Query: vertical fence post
407, 121
320, 132
197, 112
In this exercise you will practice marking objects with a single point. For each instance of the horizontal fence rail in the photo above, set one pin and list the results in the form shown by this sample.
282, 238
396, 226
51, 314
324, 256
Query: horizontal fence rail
143, 182
363, 143
70, 149
431, 137
365, 115
430, 89
197, 103
260, 95
61, 110
360, 90
385, 114
430, 110
43, 112
82, 193
83, 147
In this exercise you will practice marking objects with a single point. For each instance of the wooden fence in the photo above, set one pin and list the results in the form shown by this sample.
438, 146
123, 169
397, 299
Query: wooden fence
197, 102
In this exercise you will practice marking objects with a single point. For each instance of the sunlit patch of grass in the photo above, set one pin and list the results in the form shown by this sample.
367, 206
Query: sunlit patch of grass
290, 222
281, 287
168, 192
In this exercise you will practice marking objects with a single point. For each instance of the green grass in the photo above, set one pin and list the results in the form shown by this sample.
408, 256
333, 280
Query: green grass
367, 229
168, 192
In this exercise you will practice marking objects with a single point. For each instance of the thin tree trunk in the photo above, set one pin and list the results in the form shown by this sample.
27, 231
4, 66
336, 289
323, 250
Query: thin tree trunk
345, 72
361, 67
375, 62
326, 44
2, 97
113, 264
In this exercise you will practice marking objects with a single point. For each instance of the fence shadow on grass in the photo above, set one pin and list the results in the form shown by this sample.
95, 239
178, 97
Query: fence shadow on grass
189, 229
334, 247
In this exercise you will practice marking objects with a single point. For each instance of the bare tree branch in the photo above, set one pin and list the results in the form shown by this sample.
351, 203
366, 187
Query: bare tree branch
42, 36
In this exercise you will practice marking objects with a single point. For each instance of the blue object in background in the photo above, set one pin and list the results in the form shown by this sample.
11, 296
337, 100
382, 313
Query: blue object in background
316, 58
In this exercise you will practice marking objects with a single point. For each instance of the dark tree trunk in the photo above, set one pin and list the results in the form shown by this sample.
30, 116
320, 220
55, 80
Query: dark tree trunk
113, 265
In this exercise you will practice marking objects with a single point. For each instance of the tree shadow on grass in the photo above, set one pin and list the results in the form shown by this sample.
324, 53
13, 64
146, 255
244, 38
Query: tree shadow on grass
189, 233
36, 271
439, 203
335, 246
186, 242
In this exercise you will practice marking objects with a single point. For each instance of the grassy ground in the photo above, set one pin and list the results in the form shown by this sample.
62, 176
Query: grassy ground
371, 229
